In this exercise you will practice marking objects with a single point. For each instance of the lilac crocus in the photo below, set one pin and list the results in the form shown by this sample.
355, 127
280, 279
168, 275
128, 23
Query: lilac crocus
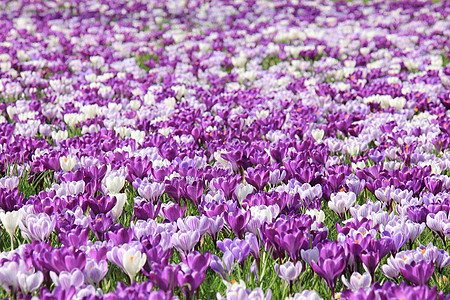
149, 191
341, 202
223, 266
68, 279
185, 241
94, 272
289, 271
37, 227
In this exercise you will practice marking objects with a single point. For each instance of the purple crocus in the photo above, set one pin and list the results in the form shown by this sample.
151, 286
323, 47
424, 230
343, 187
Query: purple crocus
419, 273
331, 263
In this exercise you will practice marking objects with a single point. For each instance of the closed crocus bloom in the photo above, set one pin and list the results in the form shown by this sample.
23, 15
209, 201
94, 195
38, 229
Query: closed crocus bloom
358, 281
67, 162
114, 184
310, 255
118, 207
436, 221
94, 271
289, 271
10, 220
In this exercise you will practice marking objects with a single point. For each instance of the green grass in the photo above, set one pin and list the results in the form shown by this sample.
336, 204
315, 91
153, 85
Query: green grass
143, 58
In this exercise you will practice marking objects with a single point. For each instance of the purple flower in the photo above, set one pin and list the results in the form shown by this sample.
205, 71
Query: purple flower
257, 177
331, 263
237, 220
418, 273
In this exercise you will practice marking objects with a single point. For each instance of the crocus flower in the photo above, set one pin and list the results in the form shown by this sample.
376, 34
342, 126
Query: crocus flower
358, 281
242, 191
185, 241
114, 184
128, 258
10, 220
68, 279
331, 263
67, 162
418, 273
289, 271
237, 220
117, 209
37, 227
94, 272
341, 202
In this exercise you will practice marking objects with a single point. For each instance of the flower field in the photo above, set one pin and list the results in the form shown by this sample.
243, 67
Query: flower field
224, 149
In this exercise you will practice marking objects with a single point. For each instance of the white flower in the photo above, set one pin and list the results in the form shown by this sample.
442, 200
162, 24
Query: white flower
149, 99
318, 134
90, 110
10, 221
135, 104
170, 102
341, 202
133, 261
67, 162
242, 191
398, 102
60, 135
358, 281
114, 184
118, 208
353, 149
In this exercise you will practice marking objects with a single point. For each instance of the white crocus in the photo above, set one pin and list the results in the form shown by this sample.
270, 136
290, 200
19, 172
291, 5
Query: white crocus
318, 135
133, 261
358, 281
118, 208
242, 191
67, 162
114, 184
319, 214
135, 104
10, 221
60, 135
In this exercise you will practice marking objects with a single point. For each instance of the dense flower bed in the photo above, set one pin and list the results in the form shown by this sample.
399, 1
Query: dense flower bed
232, 149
